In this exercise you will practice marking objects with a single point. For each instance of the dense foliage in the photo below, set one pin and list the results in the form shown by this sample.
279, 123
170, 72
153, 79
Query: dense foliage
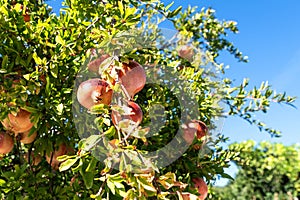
41, 56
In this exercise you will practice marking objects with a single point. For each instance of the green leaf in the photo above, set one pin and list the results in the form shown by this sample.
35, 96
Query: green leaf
4, 62
67, 164
2, 182
88, 178
99, 109
224, 175
59, 40
92, 165
78, 167
110, 132
111, 186
91, 141
27, 76
30, 109
54, 70
175, 12
121, 8
169, 6
50, 45
59, 108
62, 158
146, 184
130, 194
129, 12
37, 59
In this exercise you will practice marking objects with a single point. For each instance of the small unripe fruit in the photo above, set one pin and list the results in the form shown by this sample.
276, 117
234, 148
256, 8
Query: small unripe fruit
26, 17
6, 143
186, 52
94, 91
136, 116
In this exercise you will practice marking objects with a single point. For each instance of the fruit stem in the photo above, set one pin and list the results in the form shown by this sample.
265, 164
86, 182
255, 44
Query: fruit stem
125, 92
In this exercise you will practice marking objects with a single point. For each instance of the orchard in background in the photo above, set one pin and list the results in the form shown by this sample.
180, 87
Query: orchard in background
61, 77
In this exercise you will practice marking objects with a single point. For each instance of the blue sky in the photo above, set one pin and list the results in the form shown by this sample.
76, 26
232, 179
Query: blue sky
270, 36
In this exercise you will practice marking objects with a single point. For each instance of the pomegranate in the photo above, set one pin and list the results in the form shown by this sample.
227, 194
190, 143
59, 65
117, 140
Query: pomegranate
133, 77
136, 116
19, 123
189, 196
201, 187
93, 66
6, 143
62, 150
94, 91
186, 52
34, 159
192, 129
25, 139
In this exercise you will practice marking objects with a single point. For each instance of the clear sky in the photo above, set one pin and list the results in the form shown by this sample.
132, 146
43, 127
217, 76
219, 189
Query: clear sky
270, 36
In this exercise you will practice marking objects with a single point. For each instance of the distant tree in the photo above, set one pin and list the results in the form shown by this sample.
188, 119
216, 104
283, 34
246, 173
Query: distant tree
266, 171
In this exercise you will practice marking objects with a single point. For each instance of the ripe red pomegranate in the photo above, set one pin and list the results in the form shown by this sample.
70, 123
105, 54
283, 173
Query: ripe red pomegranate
194, 128
136, 116
94, 91
25, 139
93, 66
63, 149
201, 186
133, 77
189, 196
19, 123
6, 143
186, 52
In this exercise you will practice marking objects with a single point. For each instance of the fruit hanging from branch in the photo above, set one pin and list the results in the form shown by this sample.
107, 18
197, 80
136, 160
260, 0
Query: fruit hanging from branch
186, 52
94, 91
6, 143
135, 115
18, 123
132, 77
33, 159
52, 157
201, 186
25, 138
26, 16
194, 128
93, 66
